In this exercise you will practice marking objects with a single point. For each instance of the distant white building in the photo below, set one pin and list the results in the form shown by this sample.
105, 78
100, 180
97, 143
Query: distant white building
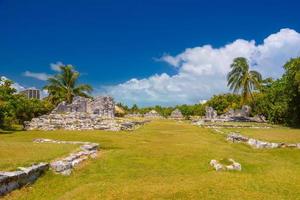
31, 93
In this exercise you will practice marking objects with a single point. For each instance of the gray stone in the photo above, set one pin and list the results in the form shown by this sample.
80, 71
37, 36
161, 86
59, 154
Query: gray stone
176, 114
25, 175
153, 114
234, 166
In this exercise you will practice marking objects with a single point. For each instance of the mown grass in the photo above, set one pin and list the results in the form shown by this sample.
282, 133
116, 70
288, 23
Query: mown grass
162, 160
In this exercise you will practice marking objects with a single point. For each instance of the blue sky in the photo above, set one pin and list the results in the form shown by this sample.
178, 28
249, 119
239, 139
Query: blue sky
146, 52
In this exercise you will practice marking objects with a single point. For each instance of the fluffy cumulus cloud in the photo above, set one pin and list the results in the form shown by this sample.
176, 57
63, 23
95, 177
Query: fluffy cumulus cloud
202, 70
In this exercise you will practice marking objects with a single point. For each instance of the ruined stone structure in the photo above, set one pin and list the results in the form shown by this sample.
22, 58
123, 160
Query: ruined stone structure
64, 166
210, 113
238, 115
257, 144
176, 114
102, 106
10, 181
72, 121
81, 114
152, 114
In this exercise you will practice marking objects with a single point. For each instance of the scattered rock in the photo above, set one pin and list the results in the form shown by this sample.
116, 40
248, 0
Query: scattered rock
234, 166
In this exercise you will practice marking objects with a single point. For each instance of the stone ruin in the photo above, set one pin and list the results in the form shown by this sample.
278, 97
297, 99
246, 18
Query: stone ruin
152, 114
81, 114
257, 144
65, 165
238, 115
210, 113
10, 181
103, 106
176, 114
24, 176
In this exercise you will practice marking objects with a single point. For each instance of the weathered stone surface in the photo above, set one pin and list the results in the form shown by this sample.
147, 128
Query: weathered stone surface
257, 144
234, 166
64, 166
81, 114
233, 137
80, 121
102, 106
238, 115
176, 114
153, 114
210, 113
25, 175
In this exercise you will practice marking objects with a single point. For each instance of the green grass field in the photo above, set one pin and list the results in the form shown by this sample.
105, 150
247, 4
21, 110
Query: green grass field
161, 160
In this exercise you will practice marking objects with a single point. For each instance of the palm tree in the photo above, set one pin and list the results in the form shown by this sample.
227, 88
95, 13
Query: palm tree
241, 79
63, 86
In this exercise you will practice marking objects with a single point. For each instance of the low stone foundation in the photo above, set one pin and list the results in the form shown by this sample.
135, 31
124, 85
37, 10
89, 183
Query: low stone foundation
10, 181
80, 121
257, 144
72, 121
64, 166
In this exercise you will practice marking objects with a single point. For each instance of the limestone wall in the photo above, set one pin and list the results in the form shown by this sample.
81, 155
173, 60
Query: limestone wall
176, 114
13, 180
72, 121
103, 106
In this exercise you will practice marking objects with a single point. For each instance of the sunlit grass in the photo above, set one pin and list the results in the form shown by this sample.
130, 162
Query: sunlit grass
162, 160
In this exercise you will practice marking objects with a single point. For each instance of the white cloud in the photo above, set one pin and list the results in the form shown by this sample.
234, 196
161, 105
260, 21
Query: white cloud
202, 70
39, 76
15, 85
56, 66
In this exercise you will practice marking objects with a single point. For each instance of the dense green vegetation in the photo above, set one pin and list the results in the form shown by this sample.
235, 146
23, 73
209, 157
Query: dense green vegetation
16, 108
162, 160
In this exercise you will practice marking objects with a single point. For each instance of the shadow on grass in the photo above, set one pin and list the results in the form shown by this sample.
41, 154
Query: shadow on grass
9, 131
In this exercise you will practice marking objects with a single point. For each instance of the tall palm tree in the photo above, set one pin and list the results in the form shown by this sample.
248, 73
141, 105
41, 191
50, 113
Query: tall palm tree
63, 86
242, 79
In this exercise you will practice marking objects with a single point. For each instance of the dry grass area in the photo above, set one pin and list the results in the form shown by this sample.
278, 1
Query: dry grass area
162, 160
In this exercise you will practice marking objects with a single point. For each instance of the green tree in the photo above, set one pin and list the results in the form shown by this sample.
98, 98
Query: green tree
64, 86
291, 77
223, 102
242, 79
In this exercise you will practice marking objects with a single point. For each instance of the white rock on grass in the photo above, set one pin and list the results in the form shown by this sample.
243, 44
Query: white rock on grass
234, 166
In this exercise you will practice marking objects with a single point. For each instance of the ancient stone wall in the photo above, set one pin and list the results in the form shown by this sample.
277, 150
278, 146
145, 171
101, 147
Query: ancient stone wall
176, 114
13, 180
153, 114
72, 121
103, 106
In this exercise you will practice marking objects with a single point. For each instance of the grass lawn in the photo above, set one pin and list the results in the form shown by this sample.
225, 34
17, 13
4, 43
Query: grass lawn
161, 160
